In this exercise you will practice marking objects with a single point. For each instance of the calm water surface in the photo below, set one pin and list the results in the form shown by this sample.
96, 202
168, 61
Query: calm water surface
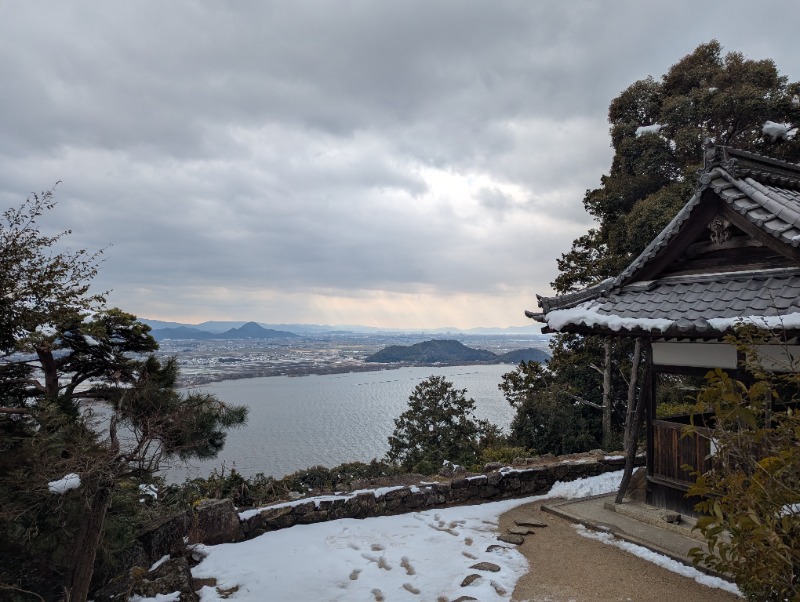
327, 420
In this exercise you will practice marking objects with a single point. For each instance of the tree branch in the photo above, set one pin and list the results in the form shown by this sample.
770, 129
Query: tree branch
585, 402
15, 411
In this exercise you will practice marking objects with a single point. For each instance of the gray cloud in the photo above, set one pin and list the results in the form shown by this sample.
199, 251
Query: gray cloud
286, 158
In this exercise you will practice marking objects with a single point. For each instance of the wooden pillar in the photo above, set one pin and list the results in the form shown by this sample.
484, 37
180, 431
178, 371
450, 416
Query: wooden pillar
649, 398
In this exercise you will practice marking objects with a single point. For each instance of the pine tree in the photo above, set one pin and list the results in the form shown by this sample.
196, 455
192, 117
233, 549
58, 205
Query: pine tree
62, 352
438, 426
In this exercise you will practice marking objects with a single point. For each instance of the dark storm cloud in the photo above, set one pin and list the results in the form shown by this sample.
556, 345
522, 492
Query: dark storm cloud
325, 148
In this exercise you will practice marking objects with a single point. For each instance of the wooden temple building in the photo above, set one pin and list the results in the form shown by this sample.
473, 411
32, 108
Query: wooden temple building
731, 254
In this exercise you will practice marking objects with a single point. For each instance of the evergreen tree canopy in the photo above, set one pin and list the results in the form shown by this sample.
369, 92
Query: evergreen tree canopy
438, 426
60, 349
658, 131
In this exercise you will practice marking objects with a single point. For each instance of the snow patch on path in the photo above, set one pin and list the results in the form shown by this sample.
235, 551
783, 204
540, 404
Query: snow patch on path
415, 556
660, 560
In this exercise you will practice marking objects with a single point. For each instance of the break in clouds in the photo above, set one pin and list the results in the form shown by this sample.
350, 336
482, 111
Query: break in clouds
400, 164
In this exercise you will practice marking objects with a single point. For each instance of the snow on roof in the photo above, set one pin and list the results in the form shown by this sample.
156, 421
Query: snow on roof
786, 322
586, 313
766, 193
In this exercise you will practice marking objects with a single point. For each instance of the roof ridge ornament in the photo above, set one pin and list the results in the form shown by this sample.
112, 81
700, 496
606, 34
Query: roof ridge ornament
720, 230
715, 155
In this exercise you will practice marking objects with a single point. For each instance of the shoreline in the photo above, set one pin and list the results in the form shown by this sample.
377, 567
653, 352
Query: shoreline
315, 370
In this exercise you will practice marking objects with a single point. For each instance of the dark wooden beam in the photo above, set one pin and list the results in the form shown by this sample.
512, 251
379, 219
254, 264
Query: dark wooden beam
757, 233
707, 246
709, 206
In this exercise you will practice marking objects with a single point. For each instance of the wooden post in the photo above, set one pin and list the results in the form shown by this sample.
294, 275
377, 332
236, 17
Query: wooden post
607, 394
649, 389
632, 384
645, 395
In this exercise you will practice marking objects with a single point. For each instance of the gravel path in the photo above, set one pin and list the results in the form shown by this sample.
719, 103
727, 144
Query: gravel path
564, 566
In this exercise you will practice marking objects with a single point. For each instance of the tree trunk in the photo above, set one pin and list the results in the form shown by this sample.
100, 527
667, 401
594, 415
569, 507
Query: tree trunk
607, 394
48, 365
632, 382
87, 540
636, 425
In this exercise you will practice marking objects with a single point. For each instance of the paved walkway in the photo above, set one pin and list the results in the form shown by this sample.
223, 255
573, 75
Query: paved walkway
634, 522
565, 566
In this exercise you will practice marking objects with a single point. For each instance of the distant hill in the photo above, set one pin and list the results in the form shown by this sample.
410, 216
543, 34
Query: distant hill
447, 351
524, 355
216, 327
250, 330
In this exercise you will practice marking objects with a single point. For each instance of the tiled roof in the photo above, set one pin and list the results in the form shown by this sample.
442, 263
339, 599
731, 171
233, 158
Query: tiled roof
700, 305
766, 192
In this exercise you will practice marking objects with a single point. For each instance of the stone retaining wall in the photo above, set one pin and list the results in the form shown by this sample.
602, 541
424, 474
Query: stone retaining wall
502, 484
217, 521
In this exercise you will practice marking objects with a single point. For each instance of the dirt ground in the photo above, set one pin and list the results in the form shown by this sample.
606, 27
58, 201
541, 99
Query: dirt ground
565, 566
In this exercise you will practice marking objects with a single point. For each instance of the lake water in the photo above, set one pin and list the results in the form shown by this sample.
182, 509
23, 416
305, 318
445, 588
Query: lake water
297, 422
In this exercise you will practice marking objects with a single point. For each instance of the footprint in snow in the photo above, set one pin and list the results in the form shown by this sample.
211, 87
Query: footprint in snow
354, 574
406, 564
383, 564
378, 595
376, 547
441, 527
411, 588
352, 545
470, 556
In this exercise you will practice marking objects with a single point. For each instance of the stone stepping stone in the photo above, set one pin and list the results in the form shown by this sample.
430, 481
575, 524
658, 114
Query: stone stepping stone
521, 531
511, 538
486, 566
494, 547
470, 579
465, 599
529, 523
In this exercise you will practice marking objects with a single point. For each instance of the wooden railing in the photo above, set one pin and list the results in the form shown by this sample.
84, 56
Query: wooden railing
672, 451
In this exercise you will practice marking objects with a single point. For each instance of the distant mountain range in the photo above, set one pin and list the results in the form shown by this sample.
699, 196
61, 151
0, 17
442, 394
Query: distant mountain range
219, 327
249, 330
446, 351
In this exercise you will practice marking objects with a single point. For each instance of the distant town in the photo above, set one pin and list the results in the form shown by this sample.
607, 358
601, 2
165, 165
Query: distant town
215, 351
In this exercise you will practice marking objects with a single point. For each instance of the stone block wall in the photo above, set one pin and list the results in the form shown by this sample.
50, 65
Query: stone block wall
498, 485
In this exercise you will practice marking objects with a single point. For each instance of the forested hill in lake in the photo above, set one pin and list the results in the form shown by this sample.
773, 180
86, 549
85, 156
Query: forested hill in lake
450, 352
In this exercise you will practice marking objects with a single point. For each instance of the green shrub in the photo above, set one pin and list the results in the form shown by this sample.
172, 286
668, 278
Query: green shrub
751, 510
504, 454
439, 425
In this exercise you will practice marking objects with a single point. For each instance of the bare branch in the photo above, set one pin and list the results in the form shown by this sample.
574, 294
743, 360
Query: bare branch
19, 589
15, 411
624, 377
585, 402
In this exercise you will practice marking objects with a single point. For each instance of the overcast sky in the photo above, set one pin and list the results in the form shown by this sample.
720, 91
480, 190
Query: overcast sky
406, 164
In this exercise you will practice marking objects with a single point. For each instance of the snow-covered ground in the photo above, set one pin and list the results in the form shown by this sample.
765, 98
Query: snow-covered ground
418, 556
